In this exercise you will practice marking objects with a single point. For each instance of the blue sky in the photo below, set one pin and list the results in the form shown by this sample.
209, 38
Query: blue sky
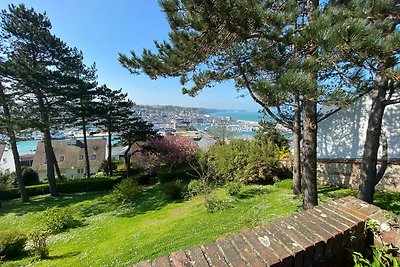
102, 29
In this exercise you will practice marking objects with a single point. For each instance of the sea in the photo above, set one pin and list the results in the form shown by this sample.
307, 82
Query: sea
243, 115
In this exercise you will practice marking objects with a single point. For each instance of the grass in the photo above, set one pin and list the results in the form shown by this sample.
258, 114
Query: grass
119, 235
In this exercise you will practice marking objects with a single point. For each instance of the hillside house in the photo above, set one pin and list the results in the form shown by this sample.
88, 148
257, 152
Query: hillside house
70, 157
6, 159
341, 138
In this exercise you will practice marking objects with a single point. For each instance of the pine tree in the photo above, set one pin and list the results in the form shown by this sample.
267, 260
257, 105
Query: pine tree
365, 41
134, 130
80, 99
271, 49
114, 108
35, 64
8, 126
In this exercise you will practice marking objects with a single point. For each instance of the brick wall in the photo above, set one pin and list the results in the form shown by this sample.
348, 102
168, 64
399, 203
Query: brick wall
316, 237
346, 173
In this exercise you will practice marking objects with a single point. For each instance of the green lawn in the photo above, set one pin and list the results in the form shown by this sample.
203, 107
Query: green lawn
115, 235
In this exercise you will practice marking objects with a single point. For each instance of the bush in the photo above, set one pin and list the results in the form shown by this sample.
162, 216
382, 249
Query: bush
68, 186
166, 175
144, 179
198, 187
234, 188
39, 244
12, 244
105, 168
247, 161
126, 191
30, 177
213, 204
173, 189
56, 220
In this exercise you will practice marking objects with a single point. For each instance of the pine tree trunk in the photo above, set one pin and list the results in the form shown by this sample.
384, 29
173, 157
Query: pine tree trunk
109, 157
14, 148
309, 178
50, 163
18, 168
296, 149
86, 149
47, 145
56, 166
368, 171
127, 159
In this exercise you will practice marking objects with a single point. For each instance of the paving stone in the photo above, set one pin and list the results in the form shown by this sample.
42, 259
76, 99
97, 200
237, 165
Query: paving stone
179, 259
246, 251
197, 257
267, 238
161, 262
266, 253
213, 255
230, 254
144, 264
319, 244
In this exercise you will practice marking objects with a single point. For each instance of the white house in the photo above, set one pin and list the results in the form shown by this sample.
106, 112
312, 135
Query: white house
70, 157
341, 138
6, 159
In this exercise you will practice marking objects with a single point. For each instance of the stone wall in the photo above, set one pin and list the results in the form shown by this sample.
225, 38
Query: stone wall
346, 173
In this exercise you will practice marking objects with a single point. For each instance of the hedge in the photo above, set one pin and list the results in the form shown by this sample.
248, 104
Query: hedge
69, 186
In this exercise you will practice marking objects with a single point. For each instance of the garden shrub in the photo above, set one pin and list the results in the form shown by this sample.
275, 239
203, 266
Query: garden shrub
173, 189
65, 187
247, 161
56, 219
213, 204
165, 174
234, 188
30, 176
198, 187
126, 191
39, 244
12, 244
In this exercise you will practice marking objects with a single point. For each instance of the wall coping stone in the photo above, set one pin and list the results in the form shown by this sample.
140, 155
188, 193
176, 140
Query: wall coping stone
316, 237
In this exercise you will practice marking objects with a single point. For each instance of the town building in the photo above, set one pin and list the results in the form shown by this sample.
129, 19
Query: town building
6, 159
341, 138
70, 157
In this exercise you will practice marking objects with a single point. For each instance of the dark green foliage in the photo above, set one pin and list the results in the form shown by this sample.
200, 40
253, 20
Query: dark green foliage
247, 161
30, 177
269, 132
55, 219
108, 168
39, 245
198, 187
165, 174
213, 204
173, 189
126, 192
233, 188
66, 187
12, 244
144, 179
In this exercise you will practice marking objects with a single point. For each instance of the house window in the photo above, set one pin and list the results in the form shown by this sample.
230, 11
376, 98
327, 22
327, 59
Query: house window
93, 157
80, 157
61, 159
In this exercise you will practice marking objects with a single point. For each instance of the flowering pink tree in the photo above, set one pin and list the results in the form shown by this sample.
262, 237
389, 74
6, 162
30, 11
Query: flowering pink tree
175, 151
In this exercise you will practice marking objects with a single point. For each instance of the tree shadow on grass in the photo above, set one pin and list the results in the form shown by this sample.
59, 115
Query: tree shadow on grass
252, 192
150, 198
41, 203
64, 256
388, 201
